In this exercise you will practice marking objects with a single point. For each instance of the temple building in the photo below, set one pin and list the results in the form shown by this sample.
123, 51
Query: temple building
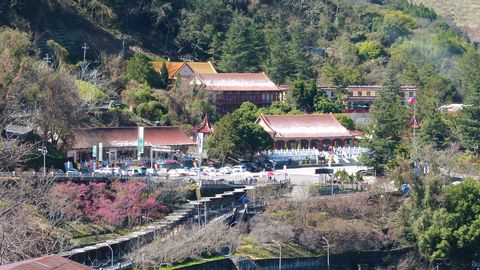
319, 131
121, 144
230, 90
361, 97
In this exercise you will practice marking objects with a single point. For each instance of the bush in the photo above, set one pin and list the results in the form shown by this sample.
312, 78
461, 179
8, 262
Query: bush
370, 49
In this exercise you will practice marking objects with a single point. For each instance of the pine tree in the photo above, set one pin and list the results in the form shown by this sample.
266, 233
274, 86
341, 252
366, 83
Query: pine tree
469, 120
434, 131
277, 63
387, 125
164, 79
239, 52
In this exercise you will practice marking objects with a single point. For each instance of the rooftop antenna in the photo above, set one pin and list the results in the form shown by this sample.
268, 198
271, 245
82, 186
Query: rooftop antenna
47, 59
85, 48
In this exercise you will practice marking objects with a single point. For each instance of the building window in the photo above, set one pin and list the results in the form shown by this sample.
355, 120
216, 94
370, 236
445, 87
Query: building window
410, 94
369, 94
359, 93
350, 93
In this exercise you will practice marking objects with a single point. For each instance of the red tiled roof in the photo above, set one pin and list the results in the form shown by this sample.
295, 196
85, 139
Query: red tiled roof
56, 262
237, 82
304, 126
128, 137
204, 127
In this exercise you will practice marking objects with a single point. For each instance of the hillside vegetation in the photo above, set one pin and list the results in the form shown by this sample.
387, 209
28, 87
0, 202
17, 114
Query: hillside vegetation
463, 12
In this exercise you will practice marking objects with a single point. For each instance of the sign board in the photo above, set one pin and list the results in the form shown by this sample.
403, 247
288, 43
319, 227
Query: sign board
94, 151
100, 152
200, 143
140, 140
323, 171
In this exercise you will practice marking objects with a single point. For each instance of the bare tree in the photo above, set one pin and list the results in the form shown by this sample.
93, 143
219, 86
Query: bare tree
30, 224
383, 201
189, 243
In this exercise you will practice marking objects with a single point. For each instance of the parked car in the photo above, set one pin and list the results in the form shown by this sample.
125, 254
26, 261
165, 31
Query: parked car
54, 172
72, 173
250, 167
104, 171
225, 170
238, 168
131, 171
151, 172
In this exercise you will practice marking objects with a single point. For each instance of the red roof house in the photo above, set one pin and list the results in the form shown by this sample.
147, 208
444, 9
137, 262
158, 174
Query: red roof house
306, 131
121, 143
230, 90
56, 262
128, 137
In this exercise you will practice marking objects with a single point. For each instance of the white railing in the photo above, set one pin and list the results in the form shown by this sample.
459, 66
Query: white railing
340, 153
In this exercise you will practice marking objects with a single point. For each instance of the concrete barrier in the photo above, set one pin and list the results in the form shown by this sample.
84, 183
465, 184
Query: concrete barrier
88, 255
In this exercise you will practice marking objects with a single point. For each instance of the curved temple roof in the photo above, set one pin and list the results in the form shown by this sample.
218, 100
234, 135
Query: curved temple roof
303, 126
128, 137
237, 82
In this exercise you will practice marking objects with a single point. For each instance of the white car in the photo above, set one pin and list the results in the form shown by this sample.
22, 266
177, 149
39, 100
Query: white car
108, 171
225, 170
131, 172
237, 169
151, 172
72, 172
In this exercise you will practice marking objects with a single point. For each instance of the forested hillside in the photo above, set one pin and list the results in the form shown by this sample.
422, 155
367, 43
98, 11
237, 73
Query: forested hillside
342, 42
463, 12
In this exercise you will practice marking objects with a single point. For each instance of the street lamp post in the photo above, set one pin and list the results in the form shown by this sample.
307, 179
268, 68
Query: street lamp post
111, 250
280, 258
44, 152
328, 252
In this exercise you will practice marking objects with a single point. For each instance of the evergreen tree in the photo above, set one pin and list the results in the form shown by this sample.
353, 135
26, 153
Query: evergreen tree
434, 131
277, 63
299, 57
469, 120
387, 125
239, 51
304, 94
140, 70
164, 79
324, 105
469, 127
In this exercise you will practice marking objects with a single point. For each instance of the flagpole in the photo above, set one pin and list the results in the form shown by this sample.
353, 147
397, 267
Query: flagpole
414, 123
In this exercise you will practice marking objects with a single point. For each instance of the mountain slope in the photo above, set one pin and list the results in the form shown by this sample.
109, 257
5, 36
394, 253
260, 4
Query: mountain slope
465, 13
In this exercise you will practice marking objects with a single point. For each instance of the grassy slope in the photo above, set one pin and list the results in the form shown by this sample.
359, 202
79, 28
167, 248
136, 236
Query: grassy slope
465, 13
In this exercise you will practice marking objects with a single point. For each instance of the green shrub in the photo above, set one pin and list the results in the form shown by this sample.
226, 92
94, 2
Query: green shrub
370, 49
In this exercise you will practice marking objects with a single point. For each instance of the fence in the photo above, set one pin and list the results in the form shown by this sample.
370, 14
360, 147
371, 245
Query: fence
346, 154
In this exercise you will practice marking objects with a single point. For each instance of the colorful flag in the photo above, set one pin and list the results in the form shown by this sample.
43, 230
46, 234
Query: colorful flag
412, 100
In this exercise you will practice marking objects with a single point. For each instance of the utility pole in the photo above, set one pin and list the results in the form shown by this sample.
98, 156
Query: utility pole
85, 48
198, 214
205, 213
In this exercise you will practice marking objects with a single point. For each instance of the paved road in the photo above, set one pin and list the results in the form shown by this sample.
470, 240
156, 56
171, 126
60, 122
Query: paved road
303, 178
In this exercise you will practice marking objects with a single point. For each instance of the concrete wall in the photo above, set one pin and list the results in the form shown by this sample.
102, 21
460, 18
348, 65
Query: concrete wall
364, 260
